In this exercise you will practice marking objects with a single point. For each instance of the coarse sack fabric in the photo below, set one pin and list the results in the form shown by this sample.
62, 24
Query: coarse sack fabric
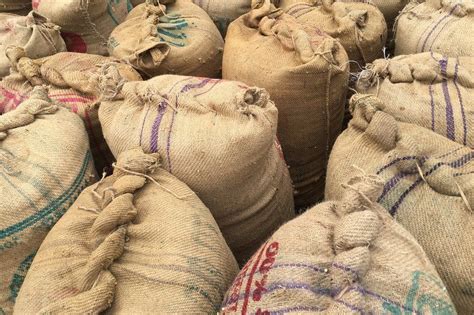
177, 38
218, 137
306, 73
389, 8
426, 89
34, 33
15, 6
85, 24
138, 242
340, 257
442, 26
360, 27
428, 188
45, 164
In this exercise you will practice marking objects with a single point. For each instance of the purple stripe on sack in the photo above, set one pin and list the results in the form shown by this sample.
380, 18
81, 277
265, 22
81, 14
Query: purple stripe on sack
440, 31
461, 104
405, 158
208, 90
191, 86
296, 309
430, 88
156, 126
390, 184
168, 142
450, 129
436, 26
350, 306
300, 265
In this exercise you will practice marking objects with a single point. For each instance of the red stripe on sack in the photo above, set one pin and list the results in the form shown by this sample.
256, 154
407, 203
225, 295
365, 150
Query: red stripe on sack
249, 282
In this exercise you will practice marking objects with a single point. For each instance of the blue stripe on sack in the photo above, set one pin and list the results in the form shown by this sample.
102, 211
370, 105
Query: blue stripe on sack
18, 227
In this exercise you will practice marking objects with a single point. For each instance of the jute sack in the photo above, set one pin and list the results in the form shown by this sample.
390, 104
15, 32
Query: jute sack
442, 26
34, 33
218, 137
76, 82
45, 164
178, 38
426, 89
137, 242
85, 24
360, 27
340, 257
428, 187
15, 6
306, 73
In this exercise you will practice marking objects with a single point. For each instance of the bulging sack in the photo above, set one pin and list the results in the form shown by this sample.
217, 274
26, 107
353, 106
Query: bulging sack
426, 89
218, 137
439, 26
428, 187
34, 33
139, 241
76, 82
306, 73
85, 24
340, 257
39, 181
178, 38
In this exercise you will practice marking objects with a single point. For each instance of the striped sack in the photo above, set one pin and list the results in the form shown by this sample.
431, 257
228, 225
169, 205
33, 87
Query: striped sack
428, 188
218, 137
44, 164
426, 89
340, 257
138, 242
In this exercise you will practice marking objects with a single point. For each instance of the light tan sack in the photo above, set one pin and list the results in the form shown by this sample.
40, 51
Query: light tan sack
340, 257
426, 89
34, 33
85, 24
442, 26
428, 188
16, 6
45, 163
138, 242
218, 137
306, 73
178, 38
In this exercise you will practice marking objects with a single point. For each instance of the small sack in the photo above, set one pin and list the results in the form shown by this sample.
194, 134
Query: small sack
218, 137
441, 26
428, 187
426, 89
45, 163
178, 38
16, 6
306, 73
340, 257
85, 24
34, 33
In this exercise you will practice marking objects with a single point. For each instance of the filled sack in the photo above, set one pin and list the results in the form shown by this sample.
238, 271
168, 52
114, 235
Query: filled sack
85, 25
218, 137
426, 89
306, 73
177, 38
76, 81
428, 187
45, 163
34, 33
441, 26
340, 257
139, 241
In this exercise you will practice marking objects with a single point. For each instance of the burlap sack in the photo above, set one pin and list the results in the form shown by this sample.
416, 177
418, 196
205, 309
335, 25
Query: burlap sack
15, 6
34, 33
138, 242
44, 164
76, 82
219, 138
344, 257
306, 73
178, 38
426, 89
360, 27
428, 187
85, 24
442, 26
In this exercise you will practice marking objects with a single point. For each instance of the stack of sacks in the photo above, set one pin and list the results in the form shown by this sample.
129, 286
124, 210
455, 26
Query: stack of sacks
340, 257
21, 7
428, 187
45, 164
85, 25
76, 82
306, 73
178, 38
137, 242
426, 89
34, 33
